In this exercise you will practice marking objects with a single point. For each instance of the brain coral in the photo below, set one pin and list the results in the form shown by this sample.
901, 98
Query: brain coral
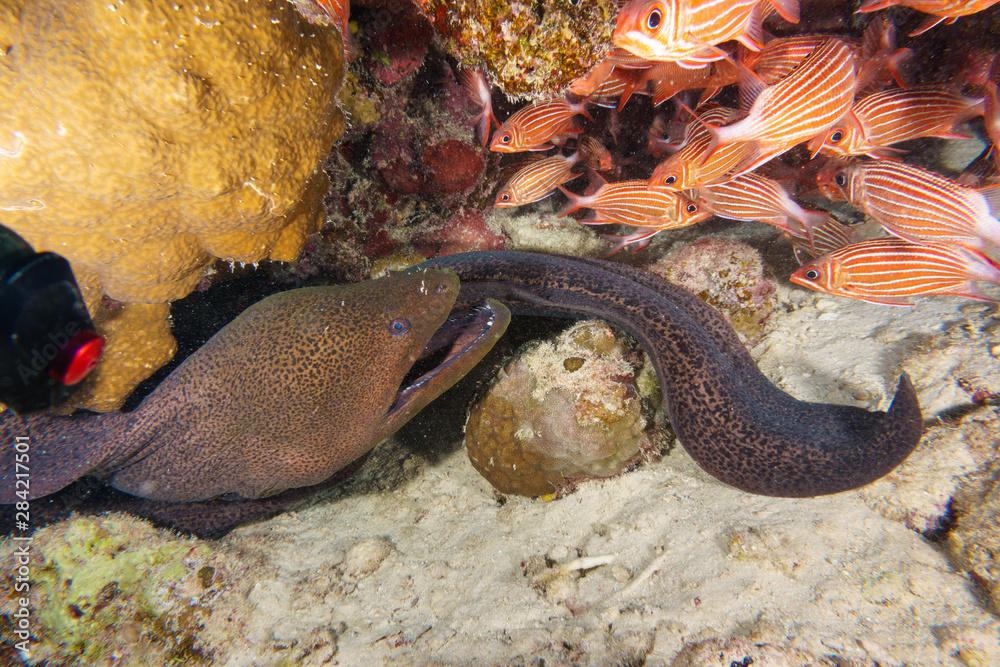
143, 139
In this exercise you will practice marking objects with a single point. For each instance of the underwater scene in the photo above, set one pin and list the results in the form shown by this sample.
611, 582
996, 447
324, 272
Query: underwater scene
534, 332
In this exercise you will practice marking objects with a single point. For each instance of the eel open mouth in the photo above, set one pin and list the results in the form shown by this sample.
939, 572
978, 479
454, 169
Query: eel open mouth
458, 345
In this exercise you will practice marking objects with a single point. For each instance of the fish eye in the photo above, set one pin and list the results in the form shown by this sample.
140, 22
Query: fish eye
505, 197
670, 180
841, 180
400, 325
812, 274
505, 139
836, 137
692, 208
654, 18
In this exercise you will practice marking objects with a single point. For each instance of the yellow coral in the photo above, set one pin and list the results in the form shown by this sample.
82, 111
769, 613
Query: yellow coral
141, 140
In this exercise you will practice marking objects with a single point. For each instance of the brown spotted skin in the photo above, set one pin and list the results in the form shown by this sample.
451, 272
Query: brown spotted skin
291, 391
736, 425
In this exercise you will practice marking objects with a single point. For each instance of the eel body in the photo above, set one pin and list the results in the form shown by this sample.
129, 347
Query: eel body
728, 416
297, 387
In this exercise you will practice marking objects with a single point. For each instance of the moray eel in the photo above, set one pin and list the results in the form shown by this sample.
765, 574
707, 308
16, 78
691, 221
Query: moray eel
733, 422
297, 387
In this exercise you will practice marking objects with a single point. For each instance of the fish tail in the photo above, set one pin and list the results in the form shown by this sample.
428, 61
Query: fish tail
575, 202
981, 267
581, 109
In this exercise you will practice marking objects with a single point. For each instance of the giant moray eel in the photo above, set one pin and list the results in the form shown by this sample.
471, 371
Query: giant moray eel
306, 382
733, 422
297, 387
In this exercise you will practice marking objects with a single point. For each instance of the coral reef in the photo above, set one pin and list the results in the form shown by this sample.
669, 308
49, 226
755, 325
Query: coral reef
91, 574
141, 140
580, 406
527, 49
727, 274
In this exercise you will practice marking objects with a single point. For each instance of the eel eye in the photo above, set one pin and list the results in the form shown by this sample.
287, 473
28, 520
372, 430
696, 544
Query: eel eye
670, 180
400, 325
505, 139
812, 274
654, 18
692, 208
840, 180
836, 136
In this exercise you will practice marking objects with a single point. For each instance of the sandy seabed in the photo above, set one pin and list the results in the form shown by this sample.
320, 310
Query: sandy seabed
416, 561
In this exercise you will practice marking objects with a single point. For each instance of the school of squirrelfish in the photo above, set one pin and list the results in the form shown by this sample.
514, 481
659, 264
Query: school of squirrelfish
846, 101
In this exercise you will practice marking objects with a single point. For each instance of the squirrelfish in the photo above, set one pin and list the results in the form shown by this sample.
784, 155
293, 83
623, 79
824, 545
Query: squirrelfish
624, 203
948, 11
533, 127
670, 78
596, 155
687, 212
688, 167
892, 116
798, 107
478, 89
919, 205
754, 197
888, 270
687, 31
537, 181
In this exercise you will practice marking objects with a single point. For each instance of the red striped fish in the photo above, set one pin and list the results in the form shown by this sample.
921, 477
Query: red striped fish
624, 203
687, 31
687, 213
948, 11
669, 78
597, 156
478, 89
532, 128
919, 205
688, 167
781, 56
891, 116
537, 181
888, 270
754, 197
806, 102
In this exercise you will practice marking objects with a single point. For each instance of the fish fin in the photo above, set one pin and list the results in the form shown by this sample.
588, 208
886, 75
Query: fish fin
575, 202
581, 108
787, 9
929, 23
642, 238
880, 300
543, 147
875, 5
754, 155
992, 195
893, 62
707, 94
750, 85
970, 291
885, 152
752, 36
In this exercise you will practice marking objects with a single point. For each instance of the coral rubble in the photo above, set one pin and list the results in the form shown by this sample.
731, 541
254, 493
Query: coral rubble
142, 140
527, 49
578, 407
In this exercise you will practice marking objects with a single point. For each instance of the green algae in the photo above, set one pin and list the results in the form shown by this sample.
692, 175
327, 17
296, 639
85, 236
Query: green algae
107, 589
